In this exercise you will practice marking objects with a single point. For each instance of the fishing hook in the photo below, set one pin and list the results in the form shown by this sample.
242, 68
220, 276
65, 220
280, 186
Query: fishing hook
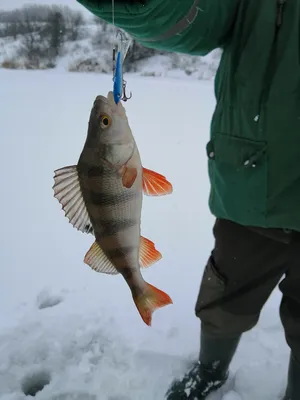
125, 97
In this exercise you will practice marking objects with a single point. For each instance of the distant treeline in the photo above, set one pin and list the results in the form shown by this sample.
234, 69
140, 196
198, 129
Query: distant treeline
42, 31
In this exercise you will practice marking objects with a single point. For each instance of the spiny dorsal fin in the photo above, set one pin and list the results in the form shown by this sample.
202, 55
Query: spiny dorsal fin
99, 262
67, 191
155, 184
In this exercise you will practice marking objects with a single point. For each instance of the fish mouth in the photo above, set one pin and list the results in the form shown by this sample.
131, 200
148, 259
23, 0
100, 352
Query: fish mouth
102, 99
109, 99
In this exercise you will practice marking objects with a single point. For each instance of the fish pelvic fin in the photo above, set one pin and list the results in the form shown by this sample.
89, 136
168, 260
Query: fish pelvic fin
149, 301
155, 184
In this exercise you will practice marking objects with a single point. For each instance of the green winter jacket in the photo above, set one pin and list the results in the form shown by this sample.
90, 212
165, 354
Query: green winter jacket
254, 148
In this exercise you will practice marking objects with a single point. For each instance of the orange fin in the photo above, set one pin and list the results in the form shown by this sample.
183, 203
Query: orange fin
149, 301
129, 177
148, 253
99, 262
155, 184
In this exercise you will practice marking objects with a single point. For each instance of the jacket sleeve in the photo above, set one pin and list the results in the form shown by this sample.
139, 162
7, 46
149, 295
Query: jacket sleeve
193, 27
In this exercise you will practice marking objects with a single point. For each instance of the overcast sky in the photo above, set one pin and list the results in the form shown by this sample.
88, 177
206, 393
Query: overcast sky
10, 4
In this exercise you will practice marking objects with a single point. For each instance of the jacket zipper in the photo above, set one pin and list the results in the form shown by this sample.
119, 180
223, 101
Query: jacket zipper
270, 70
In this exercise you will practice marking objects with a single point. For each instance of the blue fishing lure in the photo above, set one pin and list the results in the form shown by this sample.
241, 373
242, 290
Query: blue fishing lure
119, 54
118, 79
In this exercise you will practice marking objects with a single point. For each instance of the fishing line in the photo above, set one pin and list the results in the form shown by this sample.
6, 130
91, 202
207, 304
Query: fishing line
113, 11
119, 54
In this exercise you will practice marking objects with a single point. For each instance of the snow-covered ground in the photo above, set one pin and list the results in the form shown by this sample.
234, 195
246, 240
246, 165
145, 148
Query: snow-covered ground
62, 323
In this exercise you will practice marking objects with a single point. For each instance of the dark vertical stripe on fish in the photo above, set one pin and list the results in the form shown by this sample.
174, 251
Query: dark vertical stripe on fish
136, 290
109, 199
127, 273
111, 227
120, 252
94, 171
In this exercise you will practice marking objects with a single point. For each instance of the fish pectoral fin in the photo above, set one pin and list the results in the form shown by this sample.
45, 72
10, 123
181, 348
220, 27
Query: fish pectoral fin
155, 184
128, 176
148, 253
149, 301
98, 261
67, 191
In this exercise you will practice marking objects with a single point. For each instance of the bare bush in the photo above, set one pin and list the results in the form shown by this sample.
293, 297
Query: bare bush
73, 22
43, 30
91, 64
16, 22
10, 64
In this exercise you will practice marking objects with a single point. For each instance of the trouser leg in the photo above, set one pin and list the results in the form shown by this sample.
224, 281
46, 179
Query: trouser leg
290, 317
293, 381
242, 271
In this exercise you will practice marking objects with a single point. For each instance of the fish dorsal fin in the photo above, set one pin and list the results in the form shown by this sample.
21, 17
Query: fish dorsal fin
155, 184
99, 262
67, 191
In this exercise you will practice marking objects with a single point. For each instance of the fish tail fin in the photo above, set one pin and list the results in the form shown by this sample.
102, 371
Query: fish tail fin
149, 301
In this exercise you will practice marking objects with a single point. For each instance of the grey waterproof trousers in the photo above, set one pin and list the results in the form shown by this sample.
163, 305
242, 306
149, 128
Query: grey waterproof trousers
245, 266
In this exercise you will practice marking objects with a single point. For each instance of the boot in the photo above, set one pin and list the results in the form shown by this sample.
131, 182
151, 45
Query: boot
209, 373
293, 384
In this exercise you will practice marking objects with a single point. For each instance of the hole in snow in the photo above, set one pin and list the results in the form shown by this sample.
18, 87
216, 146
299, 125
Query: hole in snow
49, 302
35, 382
45, 300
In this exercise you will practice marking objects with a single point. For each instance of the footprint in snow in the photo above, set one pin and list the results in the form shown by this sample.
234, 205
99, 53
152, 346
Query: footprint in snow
45, 300
35, 382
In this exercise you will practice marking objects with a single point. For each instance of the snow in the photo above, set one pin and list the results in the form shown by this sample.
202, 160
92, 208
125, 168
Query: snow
60, 322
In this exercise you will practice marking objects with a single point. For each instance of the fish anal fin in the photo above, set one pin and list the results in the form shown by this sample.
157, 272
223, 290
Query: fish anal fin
148, 253
98, 261
155, 184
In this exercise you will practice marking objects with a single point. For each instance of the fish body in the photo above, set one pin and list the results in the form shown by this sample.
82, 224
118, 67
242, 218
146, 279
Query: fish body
103, 195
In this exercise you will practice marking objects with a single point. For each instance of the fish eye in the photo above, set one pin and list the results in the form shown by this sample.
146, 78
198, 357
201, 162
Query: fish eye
105, 121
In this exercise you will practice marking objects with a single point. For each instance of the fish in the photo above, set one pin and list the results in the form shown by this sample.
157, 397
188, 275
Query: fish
102, 195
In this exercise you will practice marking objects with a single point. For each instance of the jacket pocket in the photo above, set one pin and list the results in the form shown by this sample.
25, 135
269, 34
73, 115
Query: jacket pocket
238, 174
